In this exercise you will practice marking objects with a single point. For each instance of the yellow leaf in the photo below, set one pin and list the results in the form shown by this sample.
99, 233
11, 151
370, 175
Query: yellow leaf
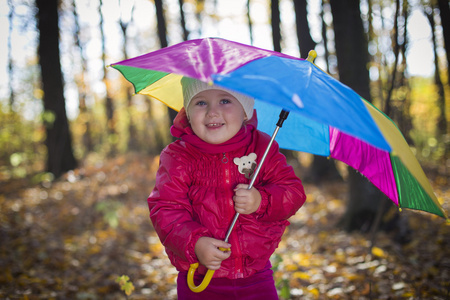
378, 252
291, 267
353, 277
314, 291
156, 248
301, 275
302, 259
340, 256
125, 285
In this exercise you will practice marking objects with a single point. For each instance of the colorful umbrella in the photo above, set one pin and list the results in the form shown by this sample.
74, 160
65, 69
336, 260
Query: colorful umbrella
326, 117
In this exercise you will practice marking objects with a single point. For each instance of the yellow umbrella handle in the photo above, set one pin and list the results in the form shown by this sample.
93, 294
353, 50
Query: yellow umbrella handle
206, 279
205, 282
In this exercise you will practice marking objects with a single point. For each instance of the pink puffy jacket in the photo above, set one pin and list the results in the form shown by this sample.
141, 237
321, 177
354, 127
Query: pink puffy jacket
193, 198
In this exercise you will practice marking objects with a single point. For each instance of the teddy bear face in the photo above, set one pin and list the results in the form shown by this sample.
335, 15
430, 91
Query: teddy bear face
246, 164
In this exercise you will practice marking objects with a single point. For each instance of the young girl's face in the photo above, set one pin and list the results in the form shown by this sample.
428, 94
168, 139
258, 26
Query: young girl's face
215, 116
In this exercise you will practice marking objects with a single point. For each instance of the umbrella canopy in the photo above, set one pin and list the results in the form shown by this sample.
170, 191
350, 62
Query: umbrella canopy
326, 117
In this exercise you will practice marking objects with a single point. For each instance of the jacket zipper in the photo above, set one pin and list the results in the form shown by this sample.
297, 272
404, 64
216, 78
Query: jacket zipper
234, 241
226, 169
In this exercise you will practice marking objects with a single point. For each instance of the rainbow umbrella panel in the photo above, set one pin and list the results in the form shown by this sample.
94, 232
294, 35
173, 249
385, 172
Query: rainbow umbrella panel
326, 117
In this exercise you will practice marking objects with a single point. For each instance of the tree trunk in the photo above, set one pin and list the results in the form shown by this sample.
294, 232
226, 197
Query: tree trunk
276, 33
133, 142
353, 57
380, 60
442, 120
162, 34
387, 104
161, 23
444, 12
405, 122
325, 38
84, 115
60, 156
183, 21
351, 46
250, 23
109, 106
321, 168
10, 59
305, 41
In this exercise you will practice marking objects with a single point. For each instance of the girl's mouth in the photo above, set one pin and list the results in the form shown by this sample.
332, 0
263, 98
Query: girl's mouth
214, 125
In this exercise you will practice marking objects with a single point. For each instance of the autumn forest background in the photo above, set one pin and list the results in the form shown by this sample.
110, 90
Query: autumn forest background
79, 151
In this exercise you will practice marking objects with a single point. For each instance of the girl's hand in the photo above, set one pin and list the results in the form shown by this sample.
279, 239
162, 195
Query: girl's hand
246, 201
208, 253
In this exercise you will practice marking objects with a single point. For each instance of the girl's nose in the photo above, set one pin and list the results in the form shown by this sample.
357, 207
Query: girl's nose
212, 110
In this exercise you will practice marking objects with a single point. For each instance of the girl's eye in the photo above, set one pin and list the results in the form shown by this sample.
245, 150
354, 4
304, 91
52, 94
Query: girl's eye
200, 103
225, 101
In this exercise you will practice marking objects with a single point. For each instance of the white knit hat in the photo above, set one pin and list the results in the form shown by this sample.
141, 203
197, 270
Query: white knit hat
192, 87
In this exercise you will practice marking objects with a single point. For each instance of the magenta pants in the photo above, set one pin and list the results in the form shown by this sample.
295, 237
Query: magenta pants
258, 286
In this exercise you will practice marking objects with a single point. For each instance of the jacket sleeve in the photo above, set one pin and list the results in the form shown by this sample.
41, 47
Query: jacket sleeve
281, 190
170, 209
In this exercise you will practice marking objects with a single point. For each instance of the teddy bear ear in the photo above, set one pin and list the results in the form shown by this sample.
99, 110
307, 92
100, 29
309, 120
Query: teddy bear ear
237, 160
252, 156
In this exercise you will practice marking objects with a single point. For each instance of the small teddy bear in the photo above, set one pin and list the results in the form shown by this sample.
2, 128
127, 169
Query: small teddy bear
246, 164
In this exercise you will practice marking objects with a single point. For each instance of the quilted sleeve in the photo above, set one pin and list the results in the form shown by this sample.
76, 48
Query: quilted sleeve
281, 190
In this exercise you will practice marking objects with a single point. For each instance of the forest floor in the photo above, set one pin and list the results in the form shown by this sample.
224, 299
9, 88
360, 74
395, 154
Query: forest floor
72, 238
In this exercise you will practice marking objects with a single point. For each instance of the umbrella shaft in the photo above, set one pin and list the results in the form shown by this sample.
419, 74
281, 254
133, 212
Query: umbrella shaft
236, 216
230, 229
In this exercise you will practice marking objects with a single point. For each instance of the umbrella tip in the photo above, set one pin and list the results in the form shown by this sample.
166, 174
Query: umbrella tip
311, 56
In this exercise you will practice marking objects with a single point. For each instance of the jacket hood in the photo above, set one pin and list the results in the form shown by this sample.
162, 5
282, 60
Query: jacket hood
181, 129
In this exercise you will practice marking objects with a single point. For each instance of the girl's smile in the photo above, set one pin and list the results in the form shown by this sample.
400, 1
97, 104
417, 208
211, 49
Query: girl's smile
215, 116
214, 125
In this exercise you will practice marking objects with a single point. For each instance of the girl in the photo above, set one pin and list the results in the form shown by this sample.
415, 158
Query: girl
202, 182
